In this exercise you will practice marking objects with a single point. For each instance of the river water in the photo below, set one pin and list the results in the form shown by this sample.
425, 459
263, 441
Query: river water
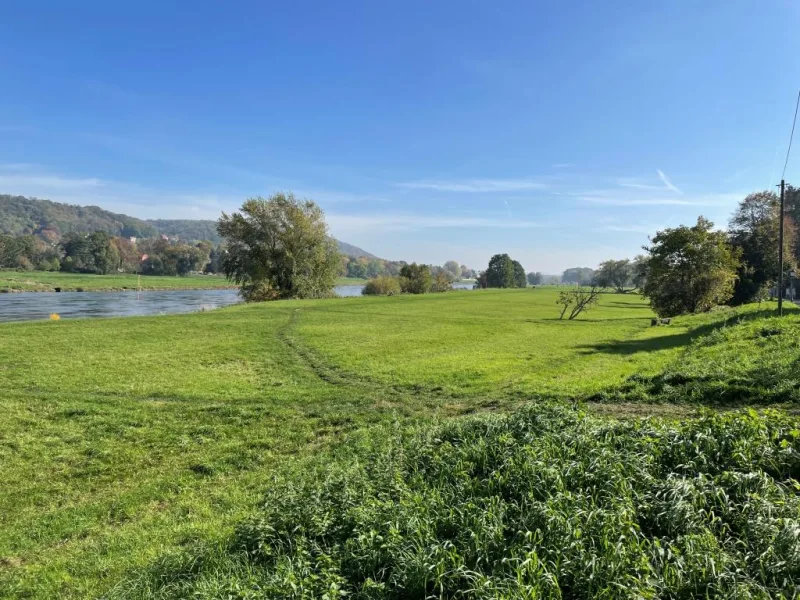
70, 305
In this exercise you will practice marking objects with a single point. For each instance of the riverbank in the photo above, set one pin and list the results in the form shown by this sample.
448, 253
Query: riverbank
124, 442
46, 281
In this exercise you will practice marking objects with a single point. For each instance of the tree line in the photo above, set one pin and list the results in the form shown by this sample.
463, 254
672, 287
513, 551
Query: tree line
362, 267
690, 269
280, 248
101, 253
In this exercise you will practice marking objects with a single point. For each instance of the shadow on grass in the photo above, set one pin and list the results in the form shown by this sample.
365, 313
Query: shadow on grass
582, 320
665, 342
626, 305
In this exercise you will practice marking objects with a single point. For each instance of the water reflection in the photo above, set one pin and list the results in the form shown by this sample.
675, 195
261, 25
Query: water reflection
40, 305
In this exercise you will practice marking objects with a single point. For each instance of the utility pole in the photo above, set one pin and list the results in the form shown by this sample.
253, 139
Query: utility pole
780, 256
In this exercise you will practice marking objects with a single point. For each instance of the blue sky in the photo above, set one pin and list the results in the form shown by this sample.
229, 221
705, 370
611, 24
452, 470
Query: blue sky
561, 133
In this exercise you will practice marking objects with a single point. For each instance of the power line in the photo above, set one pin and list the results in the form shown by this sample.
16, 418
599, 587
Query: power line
791, 137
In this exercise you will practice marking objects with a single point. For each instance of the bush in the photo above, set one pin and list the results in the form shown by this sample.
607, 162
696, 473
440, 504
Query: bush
415, 279
383, 285
258, 291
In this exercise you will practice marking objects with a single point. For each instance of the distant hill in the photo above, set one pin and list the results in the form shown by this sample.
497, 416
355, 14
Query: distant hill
20, 215
355, 251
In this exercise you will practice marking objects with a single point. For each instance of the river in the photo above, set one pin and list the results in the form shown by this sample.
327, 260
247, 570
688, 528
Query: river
70, 305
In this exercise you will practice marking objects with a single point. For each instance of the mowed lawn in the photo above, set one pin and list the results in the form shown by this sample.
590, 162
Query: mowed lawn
123, 439
497, 342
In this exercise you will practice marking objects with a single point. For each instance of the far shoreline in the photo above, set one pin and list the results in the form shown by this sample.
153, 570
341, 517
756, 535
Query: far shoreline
21, 282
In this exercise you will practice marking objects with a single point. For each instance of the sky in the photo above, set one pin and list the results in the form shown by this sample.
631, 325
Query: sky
562, 133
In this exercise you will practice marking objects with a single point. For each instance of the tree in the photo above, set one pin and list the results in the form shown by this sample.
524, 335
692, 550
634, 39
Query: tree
520, 280
535, 278
578, 275
639, 272
279, 248
104, 255
577, 301
215, 260
93, 253
76, 252
442, 281
127, 254
374, 267
689, 269
614, 274
415, 279
501, 272
453, 268
792, 201
754, 228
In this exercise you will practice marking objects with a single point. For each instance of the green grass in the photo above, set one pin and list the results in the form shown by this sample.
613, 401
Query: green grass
124, 439
752, 358
546, 503
47, 281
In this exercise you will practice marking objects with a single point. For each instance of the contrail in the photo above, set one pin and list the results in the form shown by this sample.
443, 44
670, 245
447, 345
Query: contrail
665, 180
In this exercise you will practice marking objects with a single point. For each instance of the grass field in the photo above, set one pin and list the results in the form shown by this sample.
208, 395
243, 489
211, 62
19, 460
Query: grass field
122, 440
545, 503
47, 281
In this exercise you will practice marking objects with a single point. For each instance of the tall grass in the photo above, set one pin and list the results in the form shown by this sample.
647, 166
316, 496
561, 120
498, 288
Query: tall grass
546, 503
746, 361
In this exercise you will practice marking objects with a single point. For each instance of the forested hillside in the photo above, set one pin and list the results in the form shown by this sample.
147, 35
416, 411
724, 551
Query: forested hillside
20, 215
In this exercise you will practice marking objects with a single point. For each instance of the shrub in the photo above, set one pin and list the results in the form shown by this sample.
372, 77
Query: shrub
258, 291
415, 279
383, 285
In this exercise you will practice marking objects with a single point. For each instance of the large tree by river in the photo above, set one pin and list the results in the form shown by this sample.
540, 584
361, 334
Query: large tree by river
279, 248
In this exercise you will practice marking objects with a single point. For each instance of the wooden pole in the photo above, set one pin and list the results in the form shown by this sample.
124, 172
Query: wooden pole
780, 255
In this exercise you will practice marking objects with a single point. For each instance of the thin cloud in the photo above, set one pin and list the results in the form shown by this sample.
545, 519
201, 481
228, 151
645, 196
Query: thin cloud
669, 185
563, 165
408, 222
610, 198
637, 185
737, 175
13, 181
621, 201
646, 229
475, 185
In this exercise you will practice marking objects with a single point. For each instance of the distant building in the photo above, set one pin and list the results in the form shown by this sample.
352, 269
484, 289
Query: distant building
163, 237
132, 239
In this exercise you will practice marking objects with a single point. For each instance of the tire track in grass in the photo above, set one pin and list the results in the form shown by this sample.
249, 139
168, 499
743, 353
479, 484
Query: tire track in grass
379, 391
